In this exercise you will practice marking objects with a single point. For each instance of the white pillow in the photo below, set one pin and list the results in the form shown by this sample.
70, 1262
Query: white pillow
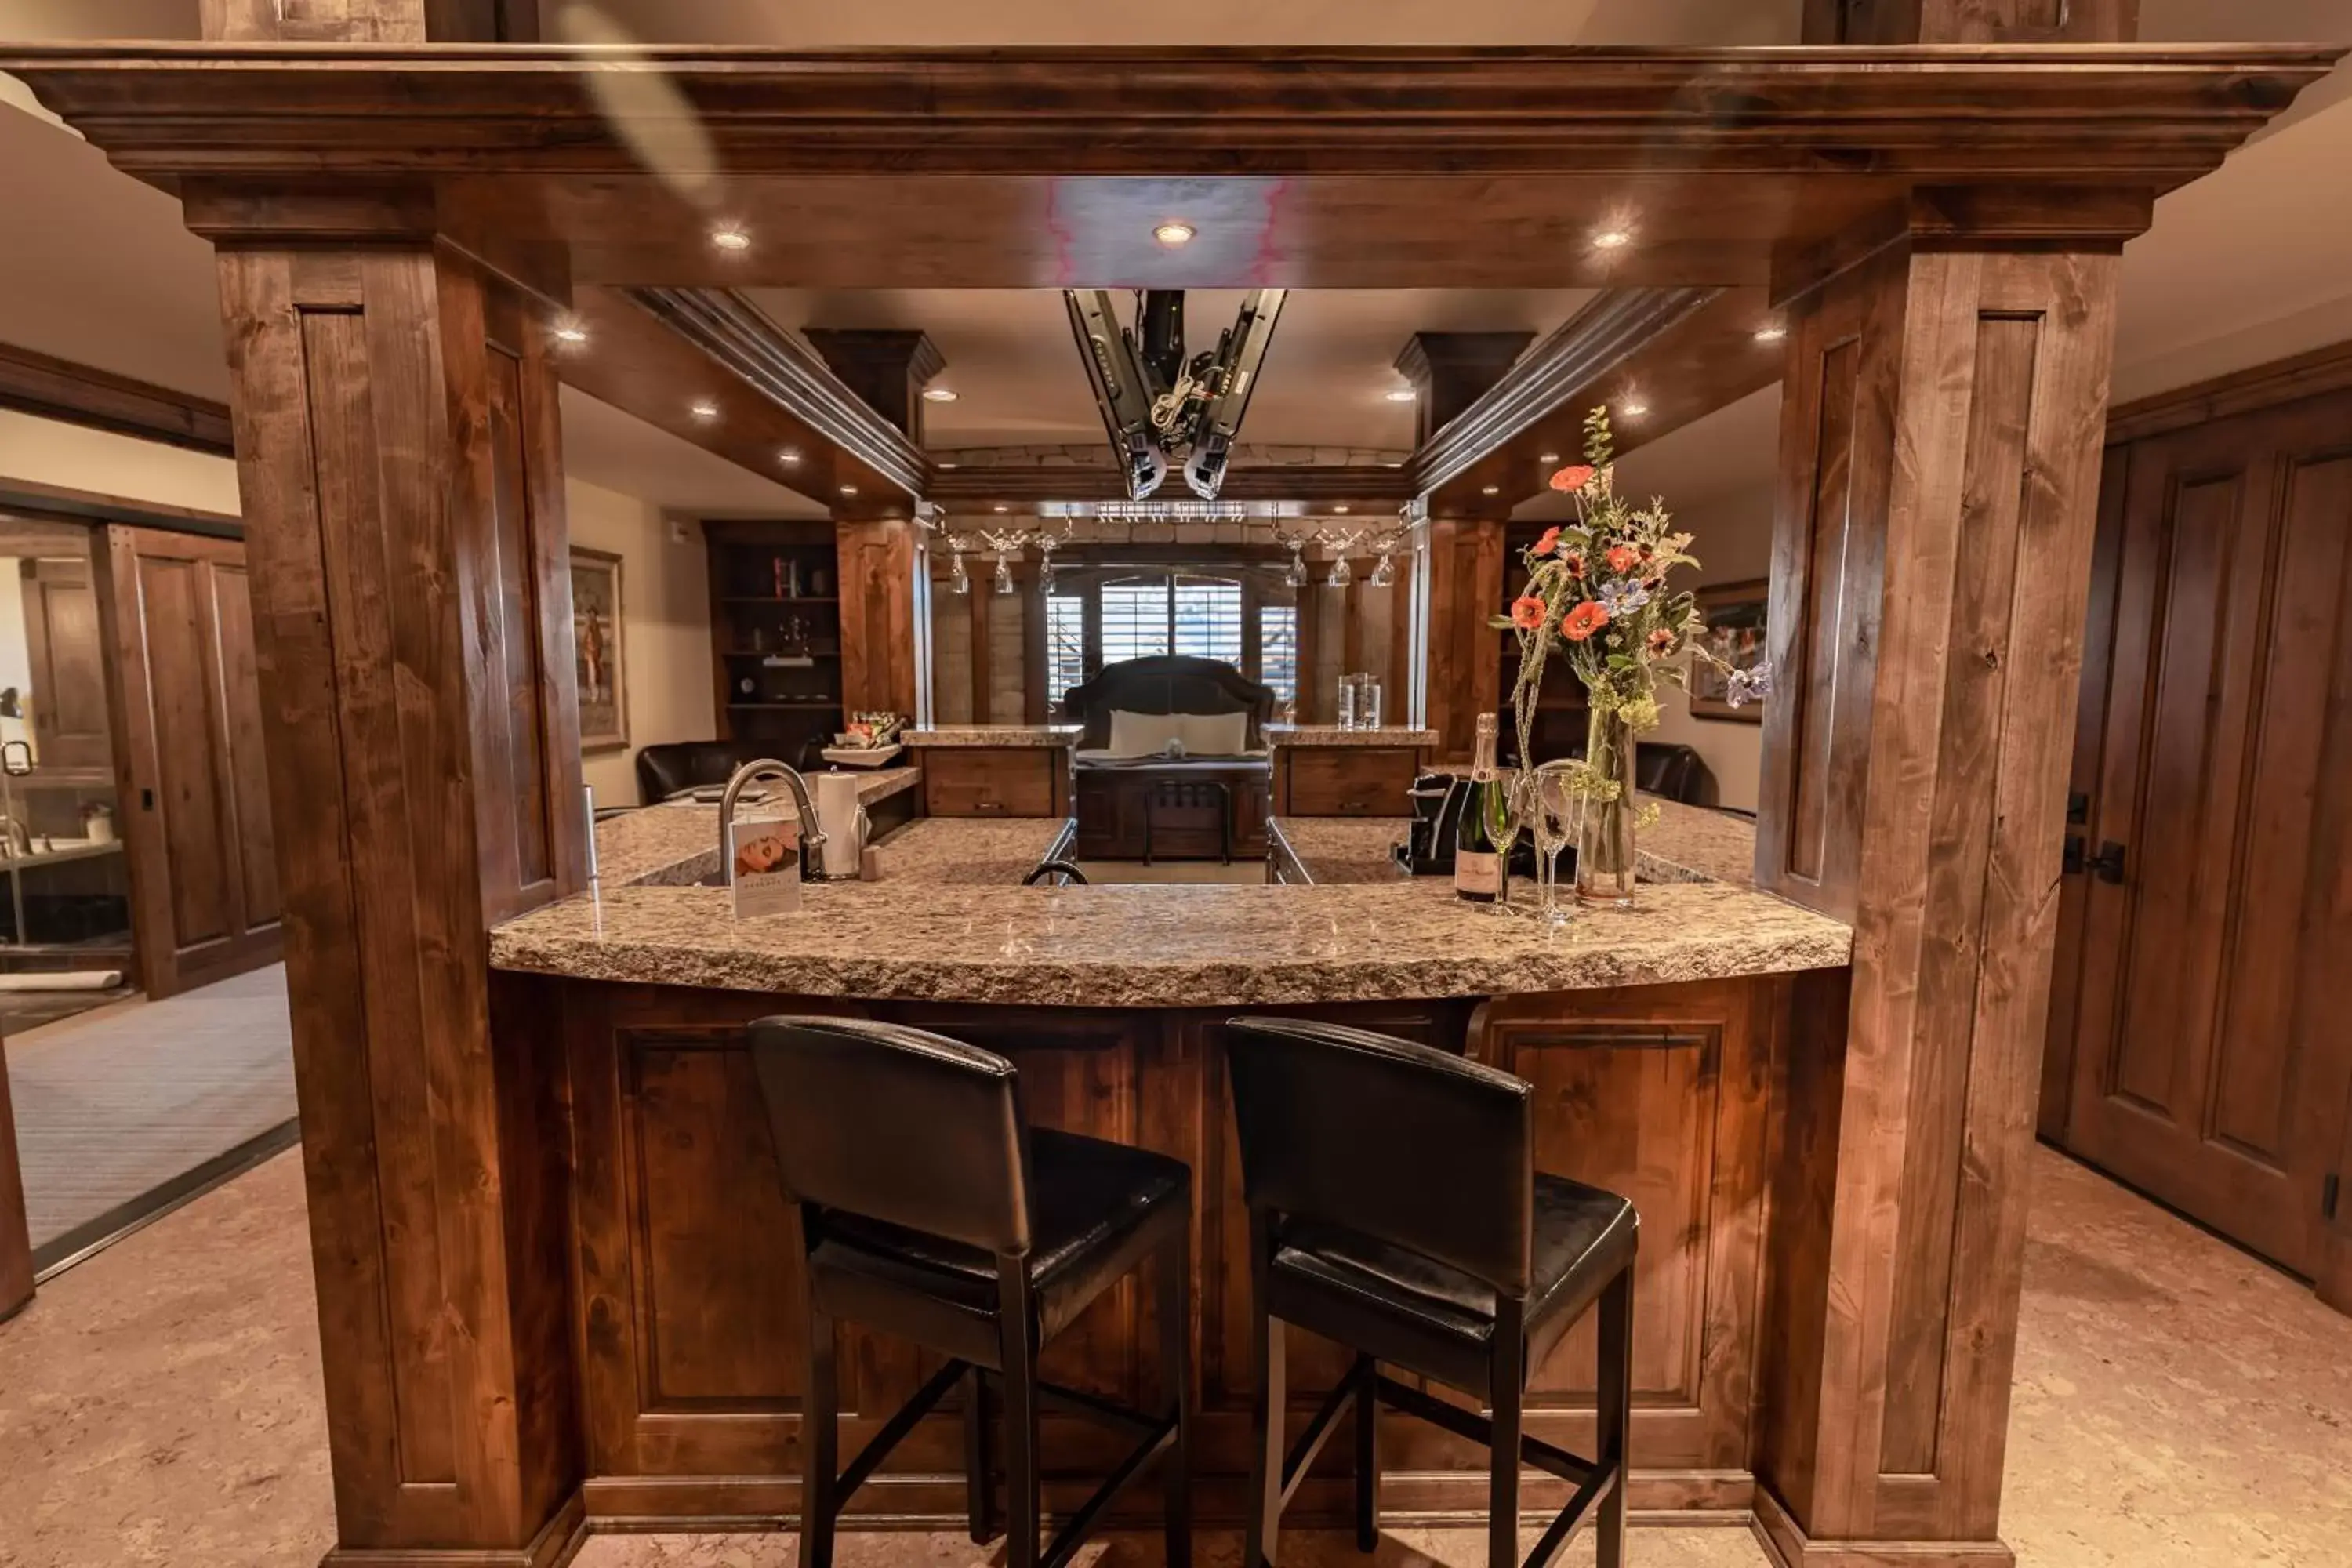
1213, 734
1140, 734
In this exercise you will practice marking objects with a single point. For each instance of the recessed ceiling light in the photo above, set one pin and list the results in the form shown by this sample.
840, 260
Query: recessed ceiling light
730, 238
999, 509
571, 332
950, 465
1402, 394
1396, 463
1492, 491
849, 489
1549, 458
1633, 408
1341, 510
1612, 240
790, 457
706, 410
1174, 232
1771, 332
938, 394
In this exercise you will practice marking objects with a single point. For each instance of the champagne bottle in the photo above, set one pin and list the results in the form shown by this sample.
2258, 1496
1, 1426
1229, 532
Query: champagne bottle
1477, 858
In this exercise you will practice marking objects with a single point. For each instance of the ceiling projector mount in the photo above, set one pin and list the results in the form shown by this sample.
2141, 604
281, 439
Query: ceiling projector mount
1157, 405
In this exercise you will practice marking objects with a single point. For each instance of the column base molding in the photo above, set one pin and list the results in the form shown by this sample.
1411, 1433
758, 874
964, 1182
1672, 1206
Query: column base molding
1786, 1542
558, 1541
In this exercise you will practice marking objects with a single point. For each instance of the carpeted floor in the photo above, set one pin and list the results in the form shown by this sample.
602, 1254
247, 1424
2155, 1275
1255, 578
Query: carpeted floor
2178, 1405
116, 1102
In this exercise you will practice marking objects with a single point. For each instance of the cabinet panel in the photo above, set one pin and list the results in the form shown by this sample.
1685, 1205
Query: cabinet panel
1348, 780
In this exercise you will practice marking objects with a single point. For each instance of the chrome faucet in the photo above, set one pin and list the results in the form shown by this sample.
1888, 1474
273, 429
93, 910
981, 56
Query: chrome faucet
812, 834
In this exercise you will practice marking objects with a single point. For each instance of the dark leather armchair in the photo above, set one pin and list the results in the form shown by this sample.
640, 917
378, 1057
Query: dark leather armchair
664, 770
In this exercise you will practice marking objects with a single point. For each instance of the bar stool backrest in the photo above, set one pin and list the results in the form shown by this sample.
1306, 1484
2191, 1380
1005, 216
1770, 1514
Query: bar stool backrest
899, 1125
1413, 1146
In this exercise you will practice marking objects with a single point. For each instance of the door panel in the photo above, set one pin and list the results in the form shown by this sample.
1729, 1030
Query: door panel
196, 804
61, 641
2213, 957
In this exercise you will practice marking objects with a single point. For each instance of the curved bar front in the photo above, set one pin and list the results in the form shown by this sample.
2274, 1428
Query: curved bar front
1657, 1039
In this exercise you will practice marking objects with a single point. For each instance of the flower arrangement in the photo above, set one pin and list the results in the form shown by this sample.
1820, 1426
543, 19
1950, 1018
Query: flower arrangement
1598, 595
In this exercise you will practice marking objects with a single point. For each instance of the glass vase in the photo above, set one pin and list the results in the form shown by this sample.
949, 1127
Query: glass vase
1604, 839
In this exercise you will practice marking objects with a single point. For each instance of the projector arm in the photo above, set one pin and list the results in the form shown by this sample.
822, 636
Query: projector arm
1231, 377
1122, 387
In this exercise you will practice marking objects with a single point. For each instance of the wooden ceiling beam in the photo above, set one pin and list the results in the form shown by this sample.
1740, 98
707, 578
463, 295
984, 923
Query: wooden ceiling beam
1679, 354
82, 394
772, 408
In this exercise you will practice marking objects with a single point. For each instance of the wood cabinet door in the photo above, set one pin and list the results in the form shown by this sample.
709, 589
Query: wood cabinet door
62, 646
195, 786
2212, 1056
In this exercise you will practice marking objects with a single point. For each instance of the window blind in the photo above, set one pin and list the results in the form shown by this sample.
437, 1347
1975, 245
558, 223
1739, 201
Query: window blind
1134, 618
1208, 619
1277, 649
1066, 645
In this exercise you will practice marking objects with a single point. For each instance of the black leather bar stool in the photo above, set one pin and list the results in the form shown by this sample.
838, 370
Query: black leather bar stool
930, 1209
1395, 1207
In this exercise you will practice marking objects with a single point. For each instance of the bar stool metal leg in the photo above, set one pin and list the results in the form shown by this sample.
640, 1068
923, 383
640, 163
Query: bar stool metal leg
1266, 1400
1368, 1463
1506, 1382
1016, 1333
1176, 1361
979, 1460
820, 1436
1614, 1438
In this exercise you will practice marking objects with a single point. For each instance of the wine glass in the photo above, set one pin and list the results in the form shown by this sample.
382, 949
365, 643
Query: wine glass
1552, 801
1506, 812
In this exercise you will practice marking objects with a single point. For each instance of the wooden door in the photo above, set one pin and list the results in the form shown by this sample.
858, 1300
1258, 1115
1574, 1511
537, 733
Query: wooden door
68, 705
194, 792
2213, 914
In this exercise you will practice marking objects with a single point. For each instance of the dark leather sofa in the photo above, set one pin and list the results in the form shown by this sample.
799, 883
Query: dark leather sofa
664, 770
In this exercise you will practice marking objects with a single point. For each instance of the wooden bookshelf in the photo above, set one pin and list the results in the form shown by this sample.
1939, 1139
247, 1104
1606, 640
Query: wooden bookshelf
775, 632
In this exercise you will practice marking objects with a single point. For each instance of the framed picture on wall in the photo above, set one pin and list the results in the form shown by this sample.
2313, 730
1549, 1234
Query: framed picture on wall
1734, 634
596, 661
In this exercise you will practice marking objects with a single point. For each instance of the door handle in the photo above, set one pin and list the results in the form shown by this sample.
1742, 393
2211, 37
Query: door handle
2109, 862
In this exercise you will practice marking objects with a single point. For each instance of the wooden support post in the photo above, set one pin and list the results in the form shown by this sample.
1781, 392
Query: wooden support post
1465, 588
1940, 455
877, 616
1971, 21
400, 459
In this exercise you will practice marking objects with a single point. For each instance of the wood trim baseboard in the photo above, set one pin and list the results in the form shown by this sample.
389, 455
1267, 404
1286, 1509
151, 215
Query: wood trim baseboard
1787, 1544
2258, 386
558, 1541
54, 388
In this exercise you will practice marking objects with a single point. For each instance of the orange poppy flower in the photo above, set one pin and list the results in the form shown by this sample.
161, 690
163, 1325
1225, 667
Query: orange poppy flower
1574, 477
1548, 543
1527, 612
1583, 621
1622, 558
1575, 564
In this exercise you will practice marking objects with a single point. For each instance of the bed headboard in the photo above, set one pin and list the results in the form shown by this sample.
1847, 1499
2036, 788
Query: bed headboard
1167, 683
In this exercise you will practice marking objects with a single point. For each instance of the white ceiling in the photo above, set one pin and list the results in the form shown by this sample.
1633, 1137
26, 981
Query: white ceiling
2242, 267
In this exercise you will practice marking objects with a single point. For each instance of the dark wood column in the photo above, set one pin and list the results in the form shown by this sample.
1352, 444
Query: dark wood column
889, 370
1465, 588
878, 651
1451, 371
1972, 21
1940, 453
401, 464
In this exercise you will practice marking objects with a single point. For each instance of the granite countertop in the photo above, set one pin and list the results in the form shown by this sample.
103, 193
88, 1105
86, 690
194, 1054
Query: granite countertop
922, 938
677, 844
1332, 735
995, 735
1687, 844
948, 921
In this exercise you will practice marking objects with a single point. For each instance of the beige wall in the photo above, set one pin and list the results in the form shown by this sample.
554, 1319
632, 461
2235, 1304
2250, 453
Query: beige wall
1734, 544
665, 632
49, 452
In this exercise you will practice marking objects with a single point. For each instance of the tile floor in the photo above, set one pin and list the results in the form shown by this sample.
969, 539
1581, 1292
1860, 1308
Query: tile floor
2178, 1405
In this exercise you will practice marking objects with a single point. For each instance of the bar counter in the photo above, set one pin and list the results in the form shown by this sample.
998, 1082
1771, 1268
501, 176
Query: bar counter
1659, 1041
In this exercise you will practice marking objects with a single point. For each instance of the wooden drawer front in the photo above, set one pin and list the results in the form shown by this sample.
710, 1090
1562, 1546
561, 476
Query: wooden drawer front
1349, 781
1009, 780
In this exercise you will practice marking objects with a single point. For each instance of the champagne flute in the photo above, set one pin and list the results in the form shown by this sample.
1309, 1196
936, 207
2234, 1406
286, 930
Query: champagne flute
1551, 817
1506, 812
